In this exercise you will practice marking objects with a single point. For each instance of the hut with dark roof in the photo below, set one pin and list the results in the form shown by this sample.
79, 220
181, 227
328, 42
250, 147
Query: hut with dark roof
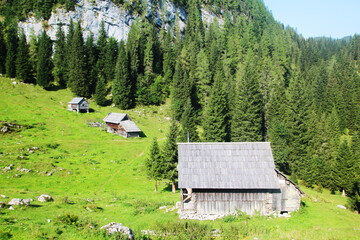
121, 124
78, 104
223, 178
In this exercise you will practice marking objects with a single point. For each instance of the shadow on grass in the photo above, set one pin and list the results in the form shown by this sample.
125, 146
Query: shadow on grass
168, 187
35, 206
54, 88
142, 134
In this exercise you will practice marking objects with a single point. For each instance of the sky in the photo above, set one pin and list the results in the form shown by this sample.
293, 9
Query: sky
318, 18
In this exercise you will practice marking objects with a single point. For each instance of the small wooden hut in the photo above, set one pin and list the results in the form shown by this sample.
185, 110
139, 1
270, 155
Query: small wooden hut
121, 124
78, 104
221, 178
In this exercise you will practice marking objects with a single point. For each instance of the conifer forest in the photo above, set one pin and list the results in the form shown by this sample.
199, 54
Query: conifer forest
247, 79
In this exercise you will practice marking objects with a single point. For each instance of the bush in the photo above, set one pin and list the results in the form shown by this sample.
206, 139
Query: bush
69, 219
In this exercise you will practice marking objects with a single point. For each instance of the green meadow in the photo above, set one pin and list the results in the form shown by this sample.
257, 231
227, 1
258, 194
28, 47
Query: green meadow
96, 178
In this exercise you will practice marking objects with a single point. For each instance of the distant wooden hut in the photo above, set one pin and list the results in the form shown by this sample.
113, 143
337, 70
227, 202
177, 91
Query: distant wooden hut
78, 104
121, 124
221, 178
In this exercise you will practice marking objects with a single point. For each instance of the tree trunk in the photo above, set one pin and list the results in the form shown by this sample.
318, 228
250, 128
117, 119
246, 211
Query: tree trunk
173, 186
155, 186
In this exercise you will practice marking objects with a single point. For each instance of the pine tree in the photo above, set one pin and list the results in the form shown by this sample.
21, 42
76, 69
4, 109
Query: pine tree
45, 65
11, 47
171, 155
23, 64
216, 116
2, 50
78, 74
188, 124
155, 163
60, 57
247, 123
100, 92
122, 97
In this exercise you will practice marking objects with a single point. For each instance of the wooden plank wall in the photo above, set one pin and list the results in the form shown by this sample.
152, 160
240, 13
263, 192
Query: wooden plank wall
228, 201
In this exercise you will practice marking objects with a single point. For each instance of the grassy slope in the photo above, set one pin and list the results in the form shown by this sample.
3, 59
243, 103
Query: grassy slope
109, 170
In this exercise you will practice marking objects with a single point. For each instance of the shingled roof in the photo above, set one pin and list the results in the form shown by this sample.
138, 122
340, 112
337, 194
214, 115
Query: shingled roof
130, 126
76, 100
115, 118
240, 165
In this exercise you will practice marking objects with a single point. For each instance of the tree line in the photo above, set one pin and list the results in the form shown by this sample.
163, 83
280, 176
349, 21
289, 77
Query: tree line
247, 79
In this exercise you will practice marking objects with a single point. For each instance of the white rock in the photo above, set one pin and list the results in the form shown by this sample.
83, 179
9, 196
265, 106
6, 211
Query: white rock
15, 201
341, 206
178, 205
163, 207
3, 196
11, 208
114, 227
44, 198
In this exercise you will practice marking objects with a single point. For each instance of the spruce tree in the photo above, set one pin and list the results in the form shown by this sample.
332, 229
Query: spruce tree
2, 50
91, 59
154, 164
188, 124
78, 74
247, 123
44, 65
33, 52
171, 155
68, 46
101, 49
216, 115
122, 97
11, 48
100, 92
23, 64
60, 57
111, 52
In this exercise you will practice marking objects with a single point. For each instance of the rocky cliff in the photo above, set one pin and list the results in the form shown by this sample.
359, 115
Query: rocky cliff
117, 19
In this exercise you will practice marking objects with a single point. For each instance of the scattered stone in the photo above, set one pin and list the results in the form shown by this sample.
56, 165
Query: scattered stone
341, 206
14, 83
2, 204
163, 207
34, 148
51, 172
26, 201
3, 196
11, 208
178, 205
15, 201
49, 220
114, 227
167, 118
45, 198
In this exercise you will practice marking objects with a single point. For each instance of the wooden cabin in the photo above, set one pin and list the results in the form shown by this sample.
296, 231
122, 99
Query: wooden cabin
78, 104
217, 179
121, 124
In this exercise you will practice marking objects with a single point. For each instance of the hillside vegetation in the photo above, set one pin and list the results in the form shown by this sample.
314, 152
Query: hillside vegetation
99, 178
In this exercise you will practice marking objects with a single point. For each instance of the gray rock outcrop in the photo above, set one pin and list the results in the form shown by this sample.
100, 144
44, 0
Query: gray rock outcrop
44, 198
117, 19
15, 201
114, 227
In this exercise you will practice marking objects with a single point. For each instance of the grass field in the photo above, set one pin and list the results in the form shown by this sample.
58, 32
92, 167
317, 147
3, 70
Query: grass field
98, 178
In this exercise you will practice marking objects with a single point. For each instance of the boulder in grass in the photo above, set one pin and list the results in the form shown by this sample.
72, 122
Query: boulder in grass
114, 227
15, 202
2, 204
26, 202
44, 198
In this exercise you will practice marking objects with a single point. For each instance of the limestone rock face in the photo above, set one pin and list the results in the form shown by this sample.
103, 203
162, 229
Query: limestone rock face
117, 19
114, 227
